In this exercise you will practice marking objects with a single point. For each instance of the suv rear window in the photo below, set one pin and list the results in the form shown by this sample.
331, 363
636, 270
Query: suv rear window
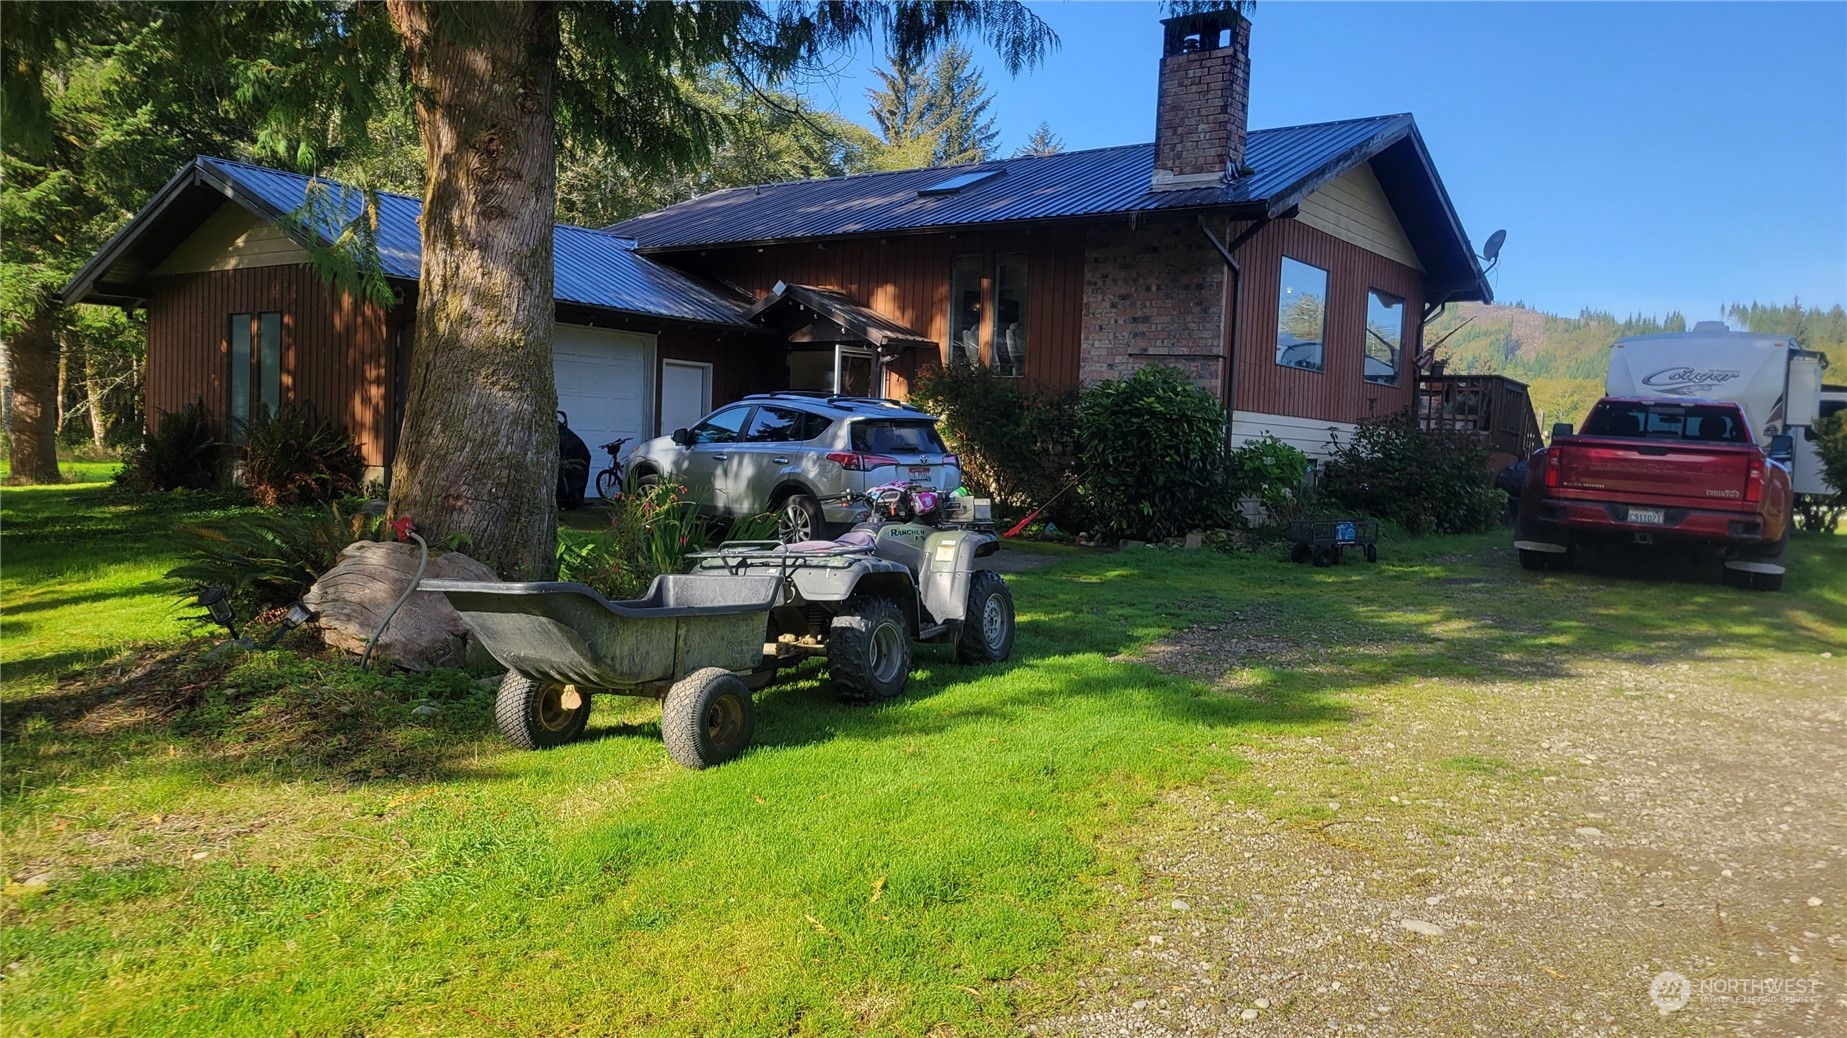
882, 436
1706, 423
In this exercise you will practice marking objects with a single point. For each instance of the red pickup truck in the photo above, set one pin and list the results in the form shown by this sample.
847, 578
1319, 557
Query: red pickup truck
1661, 471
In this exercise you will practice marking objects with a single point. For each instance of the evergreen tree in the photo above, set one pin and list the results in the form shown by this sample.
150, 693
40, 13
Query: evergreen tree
959, 100
901, 106
1043, 142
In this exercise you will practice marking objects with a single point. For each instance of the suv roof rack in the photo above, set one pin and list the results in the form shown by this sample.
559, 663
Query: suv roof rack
838, 400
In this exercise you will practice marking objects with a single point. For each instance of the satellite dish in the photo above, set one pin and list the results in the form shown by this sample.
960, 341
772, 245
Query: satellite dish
1492, 250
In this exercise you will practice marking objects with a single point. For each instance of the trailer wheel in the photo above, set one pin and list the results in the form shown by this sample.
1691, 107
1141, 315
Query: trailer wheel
869, 649
1324, 556
1300, 553
707, 718
1372, 553
535, 715
987, 624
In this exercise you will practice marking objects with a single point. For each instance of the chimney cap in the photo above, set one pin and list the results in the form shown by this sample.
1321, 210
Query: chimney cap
1200, 30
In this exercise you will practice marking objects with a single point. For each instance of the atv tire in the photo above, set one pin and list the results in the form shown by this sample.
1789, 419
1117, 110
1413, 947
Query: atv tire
869, 649
987, 623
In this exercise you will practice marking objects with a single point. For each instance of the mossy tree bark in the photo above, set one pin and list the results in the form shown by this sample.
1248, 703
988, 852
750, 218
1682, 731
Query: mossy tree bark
478, 455
32, 368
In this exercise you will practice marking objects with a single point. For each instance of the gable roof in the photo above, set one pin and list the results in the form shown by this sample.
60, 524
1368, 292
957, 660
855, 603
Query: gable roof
1288, 164
793, 307
590, 268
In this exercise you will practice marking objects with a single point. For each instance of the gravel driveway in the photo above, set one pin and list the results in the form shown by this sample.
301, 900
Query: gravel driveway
1524, 856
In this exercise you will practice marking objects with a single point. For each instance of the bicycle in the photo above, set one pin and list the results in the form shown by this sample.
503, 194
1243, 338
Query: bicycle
609, 481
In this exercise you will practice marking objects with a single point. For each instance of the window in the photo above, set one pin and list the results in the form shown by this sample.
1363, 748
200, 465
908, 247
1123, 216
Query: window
1713, 424
1384, 336
256, 368
965, 310
1009, 343
722, 427
785, 425
884, 436
1301, 315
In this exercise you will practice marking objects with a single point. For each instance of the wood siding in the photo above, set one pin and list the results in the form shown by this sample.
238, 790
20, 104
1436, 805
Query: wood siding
229, 239
1337, 393
336, 352
907, 280
1354, 209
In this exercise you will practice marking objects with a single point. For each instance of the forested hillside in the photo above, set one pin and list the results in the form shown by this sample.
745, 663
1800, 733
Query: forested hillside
1564, 359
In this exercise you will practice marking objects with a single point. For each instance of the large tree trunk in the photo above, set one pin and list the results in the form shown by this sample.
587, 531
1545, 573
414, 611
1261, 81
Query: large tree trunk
477, 458
32, 364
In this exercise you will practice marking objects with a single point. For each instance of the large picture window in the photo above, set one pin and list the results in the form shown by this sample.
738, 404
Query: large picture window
256, 368
965, 310
1009, 342
1301, 316
1384, 336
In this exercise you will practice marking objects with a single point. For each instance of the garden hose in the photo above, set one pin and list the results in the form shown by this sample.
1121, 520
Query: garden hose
422, 561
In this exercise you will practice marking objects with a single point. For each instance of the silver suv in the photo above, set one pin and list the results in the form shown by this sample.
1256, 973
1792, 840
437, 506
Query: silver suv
797, 455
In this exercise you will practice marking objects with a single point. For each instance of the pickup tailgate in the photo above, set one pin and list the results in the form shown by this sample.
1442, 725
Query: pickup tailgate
1648, 472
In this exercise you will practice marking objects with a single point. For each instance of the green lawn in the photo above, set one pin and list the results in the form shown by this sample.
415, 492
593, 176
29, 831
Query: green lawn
284, 847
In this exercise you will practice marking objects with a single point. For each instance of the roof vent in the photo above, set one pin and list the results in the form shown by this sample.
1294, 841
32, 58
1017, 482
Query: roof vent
958, 182
1711, 326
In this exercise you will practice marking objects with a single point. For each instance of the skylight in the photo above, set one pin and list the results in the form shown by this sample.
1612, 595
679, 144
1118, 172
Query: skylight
959, 181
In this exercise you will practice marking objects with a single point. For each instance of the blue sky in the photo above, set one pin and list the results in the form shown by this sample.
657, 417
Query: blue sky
1643, 157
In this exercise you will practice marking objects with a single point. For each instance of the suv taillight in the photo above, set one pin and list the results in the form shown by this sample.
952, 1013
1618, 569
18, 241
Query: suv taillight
952, 459
1754, 480
1550, 461
860, 462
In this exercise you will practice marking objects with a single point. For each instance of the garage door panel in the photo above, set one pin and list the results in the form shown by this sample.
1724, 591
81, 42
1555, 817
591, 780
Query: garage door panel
603, 384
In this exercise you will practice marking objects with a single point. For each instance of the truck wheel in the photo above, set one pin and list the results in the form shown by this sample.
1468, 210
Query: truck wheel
707, 718
534, 715
987, 624
1772, 581
1533, 560
869, 649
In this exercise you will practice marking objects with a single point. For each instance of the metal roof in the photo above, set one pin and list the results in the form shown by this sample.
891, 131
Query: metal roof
1286, 165
590, 267
806, 304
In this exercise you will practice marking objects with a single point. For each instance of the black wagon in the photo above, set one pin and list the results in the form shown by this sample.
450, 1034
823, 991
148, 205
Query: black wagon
1322, 540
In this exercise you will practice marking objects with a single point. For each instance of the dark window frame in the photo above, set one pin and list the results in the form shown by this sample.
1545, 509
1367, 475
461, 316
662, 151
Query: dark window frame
1282, 282
1404, 318
253, 359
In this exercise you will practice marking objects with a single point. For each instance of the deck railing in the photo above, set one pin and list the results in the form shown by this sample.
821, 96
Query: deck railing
1493, 407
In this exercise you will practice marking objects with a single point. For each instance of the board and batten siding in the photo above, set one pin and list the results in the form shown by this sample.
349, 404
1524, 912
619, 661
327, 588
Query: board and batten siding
231, 239
336, 351
1354, 209
1338, 393
906, 278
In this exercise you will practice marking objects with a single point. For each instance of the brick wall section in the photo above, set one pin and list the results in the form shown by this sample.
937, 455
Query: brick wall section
1204, 105
1153, 294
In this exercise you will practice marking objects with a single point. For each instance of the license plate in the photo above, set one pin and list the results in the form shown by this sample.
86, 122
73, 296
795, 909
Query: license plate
1646, 515
920, 471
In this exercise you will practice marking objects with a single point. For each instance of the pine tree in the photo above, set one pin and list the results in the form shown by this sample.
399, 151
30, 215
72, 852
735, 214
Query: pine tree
1043, 142
959, 100
902, 108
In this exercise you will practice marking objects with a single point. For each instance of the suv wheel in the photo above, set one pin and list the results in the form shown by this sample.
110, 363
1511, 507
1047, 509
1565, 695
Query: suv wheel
799, 518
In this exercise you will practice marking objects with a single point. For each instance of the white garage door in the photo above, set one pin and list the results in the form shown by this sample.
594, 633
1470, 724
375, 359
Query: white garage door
605, 385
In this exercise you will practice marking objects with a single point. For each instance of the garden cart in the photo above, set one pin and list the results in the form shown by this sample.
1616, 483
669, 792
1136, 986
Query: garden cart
1321, 540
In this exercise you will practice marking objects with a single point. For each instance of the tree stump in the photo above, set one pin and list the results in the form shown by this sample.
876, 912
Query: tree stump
351, 598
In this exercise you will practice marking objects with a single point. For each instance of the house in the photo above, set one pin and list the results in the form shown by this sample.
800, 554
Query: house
1289, 271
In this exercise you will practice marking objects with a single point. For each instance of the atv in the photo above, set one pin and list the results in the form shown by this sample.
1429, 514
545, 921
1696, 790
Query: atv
915, 571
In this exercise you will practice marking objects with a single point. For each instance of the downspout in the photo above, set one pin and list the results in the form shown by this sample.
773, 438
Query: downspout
1227, 252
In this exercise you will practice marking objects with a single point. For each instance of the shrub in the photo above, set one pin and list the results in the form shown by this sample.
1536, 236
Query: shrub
1154, 451
297, 457
1272, 472
269, 559
1018, 444
1822, 512
652, 532
1424, 480
182, 455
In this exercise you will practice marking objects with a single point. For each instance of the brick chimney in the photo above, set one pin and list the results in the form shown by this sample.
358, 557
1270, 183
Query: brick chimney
1204, 103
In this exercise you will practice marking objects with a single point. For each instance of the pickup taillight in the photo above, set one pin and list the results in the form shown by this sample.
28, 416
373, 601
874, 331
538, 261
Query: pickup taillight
1550, 461
860, 462
1754, 480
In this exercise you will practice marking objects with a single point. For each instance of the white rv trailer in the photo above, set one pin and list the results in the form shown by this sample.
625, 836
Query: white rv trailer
1776, 382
